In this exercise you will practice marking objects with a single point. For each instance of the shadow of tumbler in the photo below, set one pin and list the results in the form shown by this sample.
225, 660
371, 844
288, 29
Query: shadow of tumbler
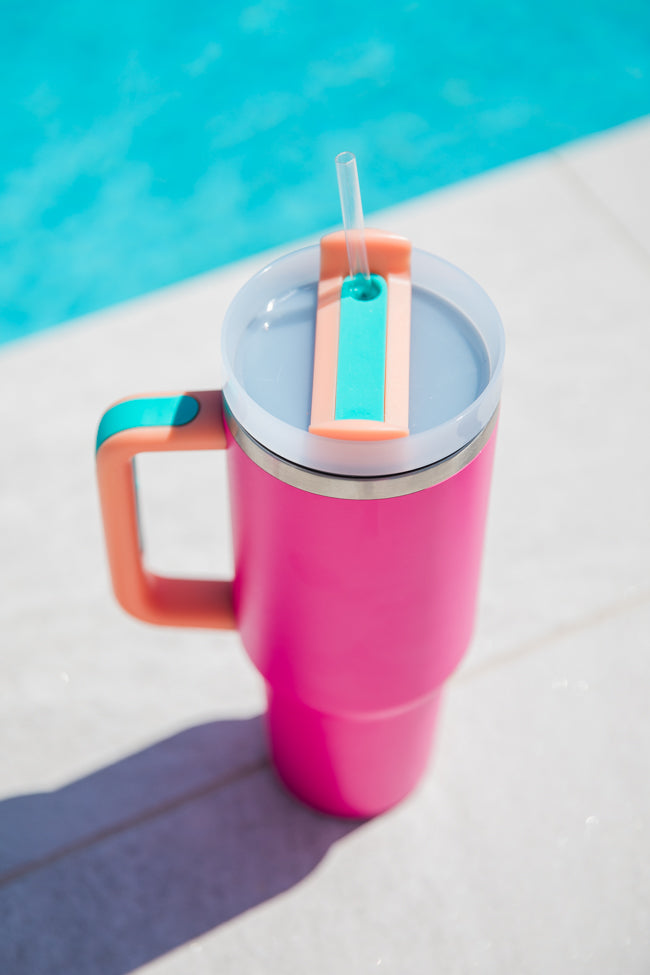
117, 868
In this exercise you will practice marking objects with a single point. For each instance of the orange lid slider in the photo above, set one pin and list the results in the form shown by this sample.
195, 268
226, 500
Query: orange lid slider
361, 359
363, 326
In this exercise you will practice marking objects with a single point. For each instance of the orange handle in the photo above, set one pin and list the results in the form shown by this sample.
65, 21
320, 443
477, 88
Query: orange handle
153, 424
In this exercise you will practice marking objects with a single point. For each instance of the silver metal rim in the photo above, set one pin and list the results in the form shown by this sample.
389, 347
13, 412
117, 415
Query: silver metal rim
358, 488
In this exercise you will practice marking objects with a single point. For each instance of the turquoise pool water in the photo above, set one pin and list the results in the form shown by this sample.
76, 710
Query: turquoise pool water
146, 142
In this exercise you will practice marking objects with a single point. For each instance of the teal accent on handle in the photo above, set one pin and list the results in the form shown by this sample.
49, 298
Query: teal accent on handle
361, 368
155, 411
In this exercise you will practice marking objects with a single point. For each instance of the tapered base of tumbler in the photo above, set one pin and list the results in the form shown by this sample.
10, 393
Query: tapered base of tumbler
351, 766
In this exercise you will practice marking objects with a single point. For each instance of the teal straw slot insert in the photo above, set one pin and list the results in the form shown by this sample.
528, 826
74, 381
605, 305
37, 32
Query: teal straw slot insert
361, 367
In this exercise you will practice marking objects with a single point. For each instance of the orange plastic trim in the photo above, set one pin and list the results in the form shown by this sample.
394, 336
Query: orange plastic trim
149, 597
389, 256
358, 430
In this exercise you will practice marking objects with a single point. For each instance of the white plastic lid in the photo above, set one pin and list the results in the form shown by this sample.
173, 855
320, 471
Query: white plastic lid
457, 351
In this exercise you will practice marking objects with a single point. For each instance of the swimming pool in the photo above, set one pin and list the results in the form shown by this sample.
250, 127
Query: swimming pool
149, 142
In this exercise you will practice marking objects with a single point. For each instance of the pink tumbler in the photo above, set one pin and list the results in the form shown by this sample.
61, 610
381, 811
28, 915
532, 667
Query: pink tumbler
356, 562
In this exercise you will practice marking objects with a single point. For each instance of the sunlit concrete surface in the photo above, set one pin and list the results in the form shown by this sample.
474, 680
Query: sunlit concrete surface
141, 828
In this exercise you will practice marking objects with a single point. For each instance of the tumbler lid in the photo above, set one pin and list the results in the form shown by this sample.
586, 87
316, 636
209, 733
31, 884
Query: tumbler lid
457, 348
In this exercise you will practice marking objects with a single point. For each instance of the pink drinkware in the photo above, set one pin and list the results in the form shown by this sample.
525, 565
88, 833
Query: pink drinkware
357, 541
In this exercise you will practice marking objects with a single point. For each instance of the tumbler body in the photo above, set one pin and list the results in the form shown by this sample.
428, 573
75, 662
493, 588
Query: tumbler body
355, 612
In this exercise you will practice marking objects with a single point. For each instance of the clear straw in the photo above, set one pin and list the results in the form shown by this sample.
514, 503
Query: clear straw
355, 240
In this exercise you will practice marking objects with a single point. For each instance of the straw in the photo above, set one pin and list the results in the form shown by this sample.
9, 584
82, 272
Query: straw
355, 240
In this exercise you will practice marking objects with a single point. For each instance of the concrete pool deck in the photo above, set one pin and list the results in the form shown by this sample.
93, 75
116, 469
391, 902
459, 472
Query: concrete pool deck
141, 827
